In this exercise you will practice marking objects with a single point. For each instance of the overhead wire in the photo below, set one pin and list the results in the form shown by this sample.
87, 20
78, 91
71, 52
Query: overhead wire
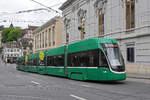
27, 11
18, 20
49, 8
33, 10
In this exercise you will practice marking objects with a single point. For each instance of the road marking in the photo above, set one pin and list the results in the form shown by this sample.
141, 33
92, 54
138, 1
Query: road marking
35, 82
79, 98
86, 85
18, 96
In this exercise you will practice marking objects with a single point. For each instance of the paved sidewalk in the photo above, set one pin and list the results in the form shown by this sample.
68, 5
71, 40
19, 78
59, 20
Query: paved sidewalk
139, 76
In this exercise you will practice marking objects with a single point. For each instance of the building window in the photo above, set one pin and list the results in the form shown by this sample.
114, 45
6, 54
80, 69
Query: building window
46, 38
40, 41
35, 42
43, 39
130, 14
53, 35
67, 26
101, 22
130, 54
49, 36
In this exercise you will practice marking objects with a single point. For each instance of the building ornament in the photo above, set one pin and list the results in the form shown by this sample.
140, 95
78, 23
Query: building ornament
123, 2
66, 21
82, 16
100, 4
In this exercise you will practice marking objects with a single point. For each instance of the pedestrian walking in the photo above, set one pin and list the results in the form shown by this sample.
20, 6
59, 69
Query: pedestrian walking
5, 61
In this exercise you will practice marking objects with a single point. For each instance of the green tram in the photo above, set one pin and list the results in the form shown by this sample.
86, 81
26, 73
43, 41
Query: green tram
92, 59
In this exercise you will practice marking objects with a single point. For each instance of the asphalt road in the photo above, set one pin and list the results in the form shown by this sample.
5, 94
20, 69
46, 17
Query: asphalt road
17, 85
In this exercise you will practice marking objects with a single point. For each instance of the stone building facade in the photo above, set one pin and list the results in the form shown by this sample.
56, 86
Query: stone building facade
48, 35
128, 21
26, 42
11, 51
1, 29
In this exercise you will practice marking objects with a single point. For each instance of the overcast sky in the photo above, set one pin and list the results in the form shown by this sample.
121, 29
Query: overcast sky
9, 7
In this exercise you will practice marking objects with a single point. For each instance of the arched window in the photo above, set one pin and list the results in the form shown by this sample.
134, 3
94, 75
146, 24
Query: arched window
101, 22
130, 14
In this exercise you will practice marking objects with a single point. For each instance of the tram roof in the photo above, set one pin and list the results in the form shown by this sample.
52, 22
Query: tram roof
56, 51
88, 44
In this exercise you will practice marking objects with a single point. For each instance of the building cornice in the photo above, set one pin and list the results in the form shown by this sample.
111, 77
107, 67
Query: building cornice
66, 4
50, 22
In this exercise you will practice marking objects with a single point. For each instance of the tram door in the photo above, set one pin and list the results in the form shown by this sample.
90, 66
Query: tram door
92, 73
103, 73
103, 66
92, 63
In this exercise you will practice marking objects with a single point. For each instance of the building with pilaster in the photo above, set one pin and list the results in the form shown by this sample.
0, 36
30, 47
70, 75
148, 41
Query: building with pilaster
48, 35
127, 21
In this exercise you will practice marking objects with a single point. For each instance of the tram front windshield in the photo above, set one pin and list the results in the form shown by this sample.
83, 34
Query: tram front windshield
114, 56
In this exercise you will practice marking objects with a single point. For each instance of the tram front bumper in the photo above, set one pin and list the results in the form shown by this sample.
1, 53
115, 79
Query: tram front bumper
117, 77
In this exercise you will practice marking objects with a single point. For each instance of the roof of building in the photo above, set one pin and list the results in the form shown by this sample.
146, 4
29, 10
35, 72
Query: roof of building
12, 44
25, 31
32, 27
64, 5
11, 25
50, 22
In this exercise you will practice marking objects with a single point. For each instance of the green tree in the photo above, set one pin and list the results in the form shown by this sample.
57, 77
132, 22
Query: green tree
11, 34
5, 33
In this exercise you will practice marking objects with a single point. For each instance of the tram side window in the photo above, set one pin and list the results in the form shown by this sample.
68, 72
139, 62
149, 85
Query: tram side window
60, 60
49, 61
41, 62
28, 62
102, 60
23, 62
34, 62
88, 58
76, 60
69, 63
31, 62
93, 58
18, 62
55, 60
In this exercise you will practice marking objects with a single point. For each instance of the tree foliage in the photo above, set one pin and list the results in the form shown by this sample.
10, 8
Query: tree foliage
11, 34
